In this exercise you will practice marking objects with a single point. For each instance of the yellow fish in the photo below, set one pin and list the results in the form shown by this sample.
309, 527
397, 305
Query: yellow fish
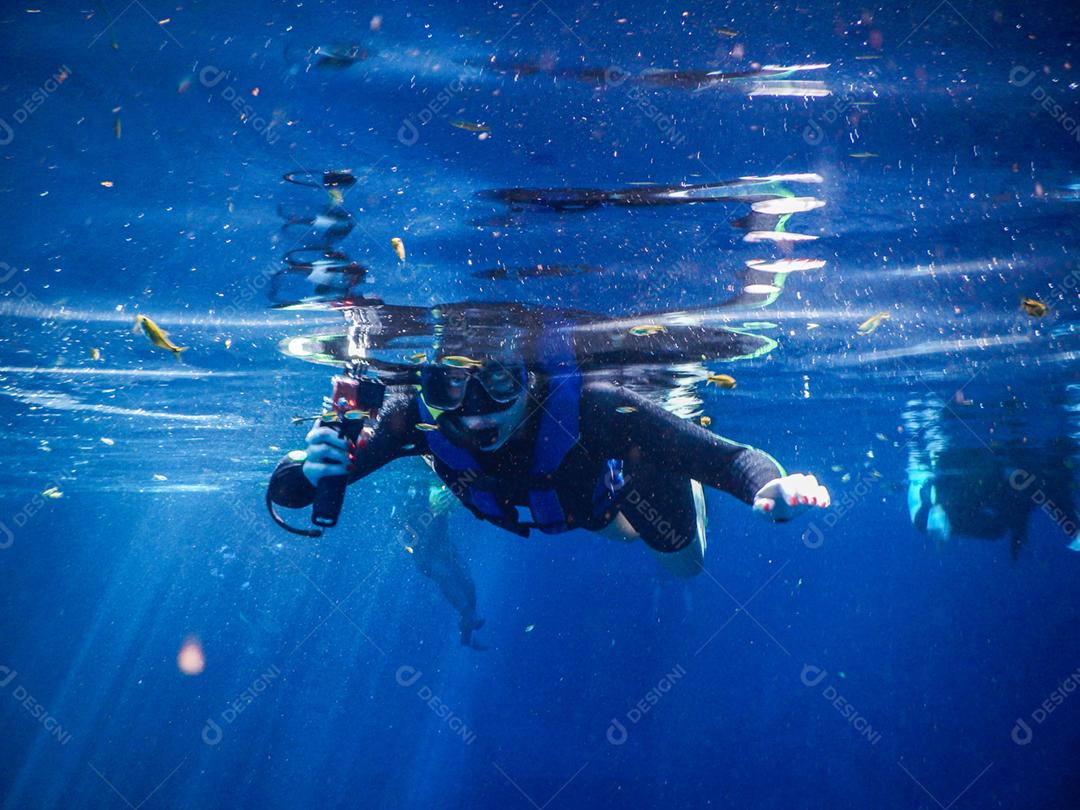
727, 32
872, 323
399, 247
647, 329
426, 426
53, 492
158, 336
706, 421
626, 409
722, 380
95, 354
460, 361
419, 357
1033, 307
469, 126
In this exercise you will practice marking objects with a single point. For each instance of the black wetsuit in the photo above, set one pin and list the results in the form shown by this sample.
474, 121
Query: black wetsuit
661, 454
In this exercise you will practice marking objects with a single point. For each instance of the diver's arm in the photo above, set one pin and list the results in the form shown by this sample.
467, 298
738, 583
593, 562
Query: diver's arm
669, 442
291, 484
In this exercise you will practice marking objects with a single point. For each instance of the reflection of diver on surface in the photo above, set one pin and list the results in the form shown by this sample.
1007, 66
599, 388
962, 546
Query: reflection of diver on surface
986, 493
549, 448
744, 189
436, 556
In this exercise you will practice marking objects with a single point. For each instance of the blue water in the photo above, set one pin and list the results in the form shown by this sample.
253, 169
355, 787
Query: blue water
847, 660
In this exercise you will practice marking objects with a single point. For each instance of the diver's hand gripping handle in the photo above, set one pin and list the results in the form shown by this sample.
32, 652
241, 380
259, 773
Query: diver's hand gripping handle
329, 497
353, 400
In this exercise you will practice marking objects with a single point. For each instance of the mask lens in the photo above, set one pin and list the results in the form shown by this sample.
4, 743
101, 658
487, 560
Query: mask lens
503, 383
444, 388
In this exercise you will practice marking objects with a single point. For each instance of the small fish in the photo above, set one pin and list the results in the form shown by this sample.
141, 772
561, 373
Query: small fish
705, 421
726, 32
868, 56
812, 326
158, 336
107, 440
530, 628
863, 154
1033, 307
53, 492
160, 477
419, 357
836, 468
845, 477
460, 361
228, 343
116, 127
647, 329
470, 126
872, 323
399, 248
296, 420
426, 426
881, 437
721, 380
626, 409
95, 354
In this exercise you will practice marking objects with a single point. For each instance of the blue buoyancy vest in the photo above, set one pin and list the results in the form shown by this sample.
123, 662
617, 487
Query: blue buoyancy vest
558, 431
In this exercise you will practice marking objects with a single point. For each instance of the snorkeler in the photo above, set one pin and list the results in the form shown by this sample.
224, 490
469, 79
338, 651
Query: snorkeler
551, 450
985, 492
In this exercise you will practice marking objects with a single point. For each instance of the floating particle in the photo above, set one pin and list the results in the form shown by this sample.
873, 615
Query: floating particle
399, 248
107, 183
160, 477
191, 660
107, 440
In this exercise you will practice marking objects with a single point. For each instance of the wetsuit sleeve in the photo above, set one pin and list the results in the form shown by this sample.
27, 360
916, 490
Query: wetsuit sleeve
654, 436
395, 435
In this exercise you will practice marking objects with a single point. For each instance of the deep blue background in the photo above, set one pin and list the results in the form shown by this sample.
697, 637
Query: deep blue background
946, 226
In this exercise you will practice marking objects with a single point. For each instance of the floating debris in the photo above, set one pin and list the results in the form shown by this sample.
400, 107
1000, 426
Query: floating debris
399, 247
871, 324
107, 440
647, 329
107, 183
725, 31
863, 155
626, 409
1033, 307
160, 477
530, 628
228, 343
470, 126
721, 380
116, 127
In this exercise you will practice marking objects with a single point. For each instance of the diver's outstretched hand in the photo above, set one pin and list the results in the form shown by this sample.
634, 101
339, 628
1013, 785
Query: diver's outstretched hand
327, 453
468, 624
783, 498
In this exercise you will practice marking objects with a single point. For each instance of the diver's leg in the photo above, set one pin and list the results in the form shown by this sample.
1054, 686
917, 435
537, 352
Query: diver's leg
438, 560
669, 515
